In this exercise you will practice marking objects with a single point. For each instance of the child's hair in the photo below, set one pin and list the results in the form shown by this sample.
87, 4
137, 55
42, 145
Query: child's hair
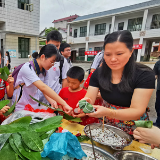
76, 72
63, 46
49, 51
35, 55
54, 35
9, 59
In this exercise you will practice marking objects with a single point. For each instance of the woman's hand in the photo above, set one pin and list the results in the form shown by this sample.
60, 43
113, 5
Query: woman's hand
148, 135
85, 98
100, 112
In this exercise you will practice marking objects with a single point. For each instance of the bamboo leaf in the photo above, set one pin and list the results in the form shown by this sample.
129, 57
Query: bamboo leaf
4, 103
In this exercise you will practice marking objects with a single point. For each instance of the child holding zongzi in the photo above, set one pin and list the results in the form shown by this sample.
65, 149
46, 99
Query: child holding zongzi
74, 93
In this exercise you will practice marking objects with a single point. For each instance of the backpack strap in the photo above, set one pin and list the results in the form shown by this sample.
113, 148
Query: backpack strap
60, 67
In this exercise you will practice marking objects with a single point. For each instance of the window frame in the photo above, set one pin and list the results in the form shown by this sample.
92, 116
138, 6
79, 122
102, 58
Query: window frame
75, 33
23, 47
83, 31
155, 23
121, 23
100, 29
81, 52
135, 24
20, 3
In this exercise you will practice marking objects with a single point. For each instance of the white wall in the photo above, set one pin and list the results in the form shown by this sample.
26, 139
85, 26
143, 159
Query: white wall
18, 20
12, 43
62, 24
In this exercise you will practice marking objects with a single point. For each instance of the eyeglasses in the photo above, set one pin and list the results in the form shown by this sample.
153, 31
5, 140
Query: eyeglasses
68, 50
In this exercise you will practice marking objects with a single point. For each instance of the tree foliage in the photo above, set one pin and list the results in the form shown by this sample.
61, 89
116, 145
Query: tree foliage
49, 30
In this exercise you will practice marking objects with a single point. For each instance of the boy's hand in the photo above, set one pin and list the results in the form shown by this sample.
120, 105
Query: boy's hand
4, 109
80, 115
10, 80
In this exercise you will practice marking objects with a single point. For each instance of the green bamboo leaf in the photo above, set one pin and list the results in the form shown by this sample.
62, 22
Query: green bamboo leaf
70, 118
44, 104
29, 155
18, 125
48, 128
4, 103
11, 142
7, 153
67, 117
6, 70
3, 75
32, 140
12, 108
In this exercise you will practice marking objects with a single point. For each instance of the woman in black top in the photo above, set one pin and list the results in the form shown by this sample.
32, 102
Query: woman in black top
125, 86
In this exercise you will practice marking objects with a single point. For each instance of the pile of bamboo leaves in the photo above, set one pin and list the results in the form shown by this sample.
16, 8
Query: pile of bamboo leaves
25, 141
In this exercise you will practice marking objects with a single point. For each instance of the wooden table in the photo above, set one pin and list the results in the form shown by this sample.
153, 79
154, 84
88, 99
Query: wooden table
77, 128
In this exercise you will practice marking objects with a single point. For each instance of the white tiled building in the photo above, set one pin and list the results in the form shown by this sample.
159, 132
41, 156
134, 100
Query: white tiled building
19, 28
143, 20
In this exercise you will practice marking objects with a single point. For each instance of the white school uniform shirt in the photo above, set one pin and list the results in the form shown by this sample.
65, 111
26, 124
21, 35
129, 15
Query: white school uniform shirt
54, 73
53, 76
26, 75
97, 60
69, 63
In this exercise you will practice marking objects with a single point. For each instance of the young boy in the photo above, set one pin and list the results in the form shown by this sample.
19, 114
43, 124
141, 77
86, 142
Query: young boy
75, 92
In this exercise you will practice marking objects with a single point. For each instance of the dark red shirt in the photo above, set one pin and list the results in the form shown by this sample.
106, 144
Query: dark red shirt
72, 98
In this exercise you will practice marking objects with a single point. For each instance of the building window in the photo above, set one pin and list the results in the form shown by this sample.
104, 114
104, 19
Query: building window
81, 51
120, 26
155, 21
0, 3
75, 33
83, 31
110, 25
100, 29
135, 24
22, 4
23, 47
98, 49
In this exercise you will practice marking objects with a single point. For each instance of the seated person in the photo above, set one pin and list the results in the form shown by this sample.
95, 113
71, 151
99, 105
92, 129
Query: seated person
75, 92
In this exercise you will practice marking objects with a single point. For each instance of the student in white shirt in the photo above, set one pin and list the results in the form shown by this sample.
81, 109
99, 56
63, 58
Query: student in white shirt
29, 78
55, 37
65, 50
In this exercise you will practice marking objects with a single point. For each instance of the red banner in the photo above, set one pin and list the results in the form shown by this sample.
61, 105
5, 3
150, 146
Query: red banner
137, 46
90, 52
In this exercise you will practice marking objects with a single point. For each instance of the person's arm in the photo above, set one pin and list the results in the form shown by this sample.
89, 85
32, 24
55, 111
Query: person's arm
10, 87
147, 135
64, 83
53, 95
91, 94
137, 108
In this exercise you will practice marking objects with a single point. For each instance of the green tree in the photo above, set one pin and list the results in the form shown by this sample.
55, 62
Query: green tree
50, 29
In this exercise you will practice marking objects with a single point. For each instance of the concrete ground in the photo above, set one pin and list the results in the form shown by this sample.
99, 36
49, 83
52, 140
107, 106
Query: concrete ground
151, 105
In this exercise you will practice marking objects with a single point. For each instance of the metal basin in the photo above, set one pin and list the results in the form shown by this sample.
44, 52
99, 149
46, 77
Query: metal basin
132, 155
106, 155
117, 131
